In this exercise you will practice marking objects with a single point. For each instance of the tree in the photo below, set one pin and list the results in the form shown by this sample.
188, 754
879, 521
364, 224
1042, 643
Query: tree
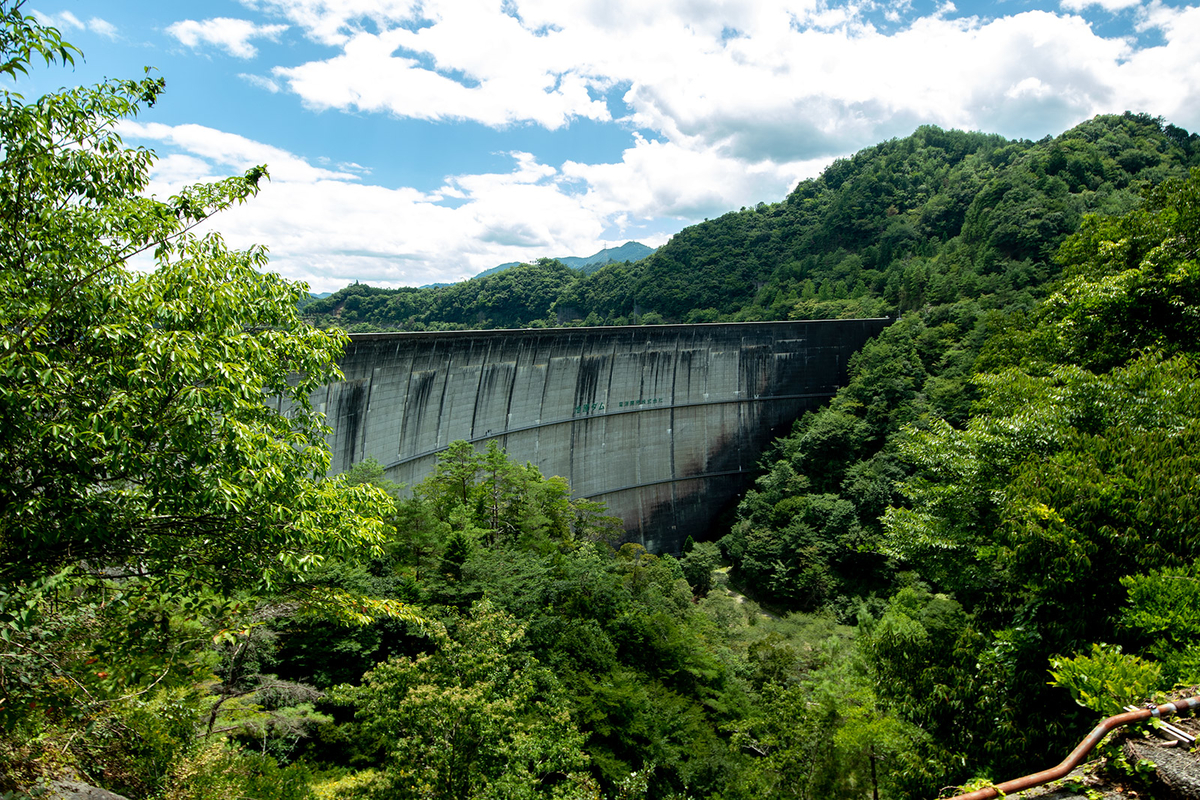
1164, 608
453, 478
476, 718
1133, 282
144, 459
133, 427
698, 566
1076, 474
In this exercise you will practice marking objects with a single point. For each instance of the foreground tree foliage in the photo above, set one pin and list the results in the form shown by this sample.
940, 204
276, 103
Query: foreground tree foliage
570, 667
479, 717
145, 484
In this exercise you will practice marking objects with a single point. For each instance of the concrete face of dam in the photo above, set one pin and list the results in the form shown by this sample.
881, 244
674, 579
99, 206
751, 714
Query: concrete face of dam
665, 424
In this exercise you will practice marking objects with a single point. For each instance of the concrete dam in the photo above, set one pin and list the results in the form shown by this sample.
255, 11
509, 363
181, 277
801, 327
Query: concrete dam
665, 424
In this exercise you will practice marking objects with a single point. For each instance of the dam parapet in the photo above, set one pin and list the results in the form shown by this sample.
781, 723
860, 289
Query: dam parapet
663, 423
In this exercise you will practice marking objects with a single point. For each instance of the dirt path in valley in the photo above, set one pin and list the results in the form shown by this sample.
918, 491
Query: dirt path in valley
721, 583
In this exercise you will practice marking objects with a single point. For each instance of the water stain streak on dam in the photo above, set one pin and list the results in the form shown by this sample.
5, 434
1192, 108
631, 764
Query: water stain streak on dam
665, 423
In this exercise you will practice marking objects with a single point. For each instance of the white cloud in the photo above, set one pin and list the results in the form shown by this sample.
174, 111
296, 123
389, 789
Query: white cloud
390, 72
231, 35
329, 228
64, 20
331, 21
177, 169
772, 81
228, 151
1111, 6
262, 82
102, 27
685, 181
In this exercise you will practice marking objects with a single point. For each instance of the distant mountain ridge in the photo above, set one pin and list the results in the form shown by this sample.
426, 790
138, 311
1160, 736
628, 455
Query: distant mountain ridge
630, 251
304, 302
934, 219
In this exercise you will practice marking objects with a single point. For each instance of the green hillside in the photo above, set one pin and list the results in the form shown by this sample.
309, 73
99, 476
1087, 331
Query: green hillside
1007, 480
987, 540
630, 251
934, 217
930, 219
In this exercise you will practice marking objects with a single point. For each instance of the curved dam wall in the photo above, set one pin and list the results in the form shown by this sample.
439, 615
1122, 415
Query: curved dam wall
665, 423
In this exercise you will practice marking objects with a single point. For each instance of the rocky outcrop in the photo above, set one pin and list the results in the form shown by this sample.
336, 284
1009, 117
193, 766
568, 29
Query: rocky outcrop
74, 790
1178, 770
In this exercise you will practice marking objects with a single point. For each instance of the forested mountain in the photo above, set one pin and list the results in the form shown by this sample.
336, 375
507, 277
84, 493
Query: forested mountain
1023, 483
993, 525
1011, 461
630, 251
925, 220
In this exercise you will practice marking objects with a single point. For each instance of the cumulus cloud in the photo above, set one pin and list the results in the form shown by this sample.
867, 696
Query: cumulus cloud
102, 27
230, 151
262, 82
726, 103
682, 180
64, 20
328, 227
329, 21
774, 80
397, 72
231, 35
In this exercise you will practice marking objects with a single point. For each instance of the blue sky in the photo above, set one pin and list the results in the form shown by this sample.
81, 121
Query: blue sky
419, 141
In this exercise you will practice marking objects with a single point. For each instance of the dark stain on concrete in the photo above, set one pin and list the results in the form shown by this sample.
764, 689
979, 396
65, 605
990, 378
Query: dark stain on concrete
676, 417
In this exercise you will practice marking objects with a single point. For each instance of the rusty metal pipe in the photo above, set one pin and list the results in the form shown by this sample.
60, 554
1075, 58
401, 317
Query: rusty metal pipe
1079, 753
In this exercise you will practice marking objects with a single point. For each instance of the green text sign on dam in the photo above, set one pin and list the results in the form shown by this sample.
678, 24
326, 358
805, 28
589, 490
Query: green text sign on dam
664, 423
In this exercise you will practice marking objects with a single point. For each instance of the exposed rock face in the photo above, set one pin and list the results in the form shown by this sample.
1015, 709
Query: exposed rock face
74, 790
1177, 770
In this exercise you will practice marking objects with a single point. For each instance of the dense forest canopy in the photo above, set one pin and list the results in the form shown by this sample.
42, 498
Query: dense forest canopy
930, 219
988, 538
